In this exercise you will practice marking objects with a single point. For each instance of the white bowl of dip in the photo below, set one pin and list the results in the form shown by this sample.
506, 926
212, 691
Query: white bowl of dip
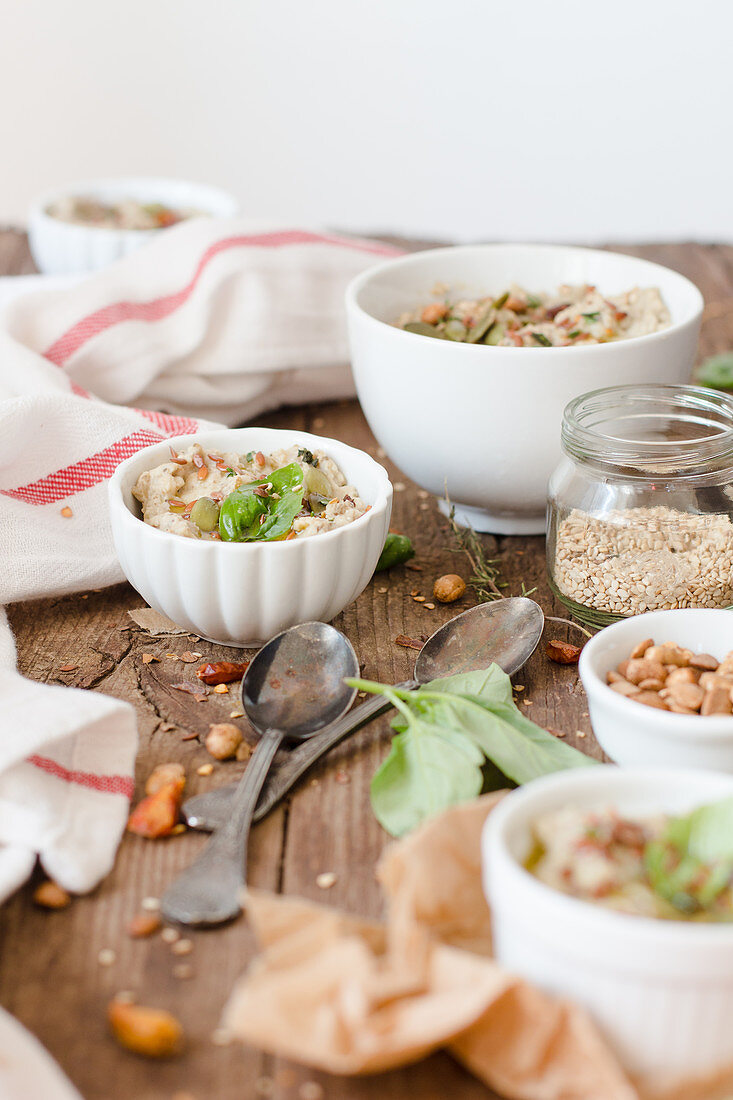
65, 248
640, 736
237, 593
484, 422
661, 991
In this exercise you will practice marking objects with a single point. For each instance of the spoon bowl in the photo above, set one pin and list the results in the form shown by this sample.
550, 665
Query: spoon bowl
292, 688
505, 632
296, 685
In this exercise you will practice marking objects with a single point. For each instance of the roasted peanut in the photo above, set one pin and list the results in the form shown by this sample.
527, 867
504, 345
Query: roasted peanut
640, 649
651, 699
49, 895
623, 687
643, 669
704, 661
613, 677
682, 676
717, 701
223, 740
449, 588
152, 1032
651, 685
685, 695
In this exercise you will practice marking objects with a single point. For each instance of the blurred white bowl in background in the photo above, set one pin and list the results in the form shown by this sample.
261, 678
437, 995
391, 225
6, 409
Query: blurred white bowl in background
63, 248
660, 990
485, 421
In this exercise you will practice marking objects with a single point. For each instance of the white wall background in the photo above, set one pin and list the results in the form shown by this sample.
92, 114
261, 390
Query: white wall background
467, 119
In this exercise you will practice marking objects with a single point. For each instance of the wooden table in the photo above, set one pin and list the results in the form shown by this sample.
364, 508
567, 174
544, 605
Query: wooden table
50, 976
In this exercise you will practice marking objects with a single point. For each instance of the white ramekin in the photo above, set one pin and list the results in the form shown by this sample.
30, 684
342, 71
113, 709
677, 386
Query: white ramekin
635, 735
241, 594
484, 422
661, 991
61, 248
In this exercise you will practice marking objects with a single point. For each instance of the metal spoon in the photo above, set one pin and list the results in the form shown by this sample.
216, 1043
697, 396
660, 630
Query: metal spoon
293, 687
506, 632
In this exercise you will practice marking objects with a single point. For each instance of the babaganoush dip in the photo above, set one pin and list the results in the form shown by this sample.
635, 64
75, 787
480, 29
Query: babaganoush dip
660, 866
518, 318
291, 493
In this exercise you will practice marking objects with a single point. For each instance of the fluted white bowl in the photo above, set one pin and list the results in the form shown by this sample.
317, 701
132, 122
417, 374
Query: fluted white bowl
484, 422
241, 594
638, 736
62, 248
661, 991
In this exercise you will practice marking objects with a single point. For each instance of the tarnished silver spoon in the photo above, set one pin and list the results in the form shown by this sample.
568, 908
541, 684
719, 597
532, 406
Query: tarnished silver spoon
506, 632
293, 687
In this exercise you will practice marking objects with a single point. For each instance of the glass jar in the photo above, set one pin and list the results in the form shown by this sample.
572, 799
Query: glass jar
640, 508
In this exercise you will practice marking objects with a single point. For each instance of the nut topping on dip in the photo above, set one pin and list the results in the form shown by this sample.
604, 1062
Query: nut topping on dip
291, 493
516, 318
671, 868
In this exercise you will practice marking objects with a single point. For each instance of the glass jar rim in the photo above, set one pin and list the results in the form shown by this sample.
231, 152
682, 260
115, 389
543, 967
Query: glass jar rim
584, 438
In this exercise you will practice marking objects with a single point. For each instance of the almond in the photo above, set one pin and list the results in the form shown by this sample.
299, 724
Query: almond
152, 1032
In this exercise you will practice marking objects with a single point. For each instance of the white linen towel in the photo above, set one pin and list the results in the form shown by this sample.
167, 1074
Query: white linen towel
210, 318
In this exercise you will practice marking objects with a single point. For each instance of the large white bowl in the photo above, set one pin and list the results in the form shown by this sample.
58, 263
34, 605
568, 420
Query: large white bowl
241, 594
485, 421
635, 735
61, 248
661, 991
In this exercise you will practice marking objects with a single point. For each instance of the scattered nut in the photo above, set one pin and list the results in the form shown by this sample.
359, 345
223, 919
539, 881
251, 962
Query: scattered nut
223, 740
106, 957
150, 905
148, 1031
563, 653
142, 925
449, 588
162, 775
205, 769
170, 935
182, 947
66, 512
244, 751
326, 880
157, 814
49, 895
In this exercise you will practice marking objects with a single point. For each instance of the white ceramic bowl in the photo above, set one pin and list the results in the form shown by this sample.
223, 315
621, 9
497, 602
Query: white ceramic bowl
241, 594
635, 735
60, 248
485, 421
661, 991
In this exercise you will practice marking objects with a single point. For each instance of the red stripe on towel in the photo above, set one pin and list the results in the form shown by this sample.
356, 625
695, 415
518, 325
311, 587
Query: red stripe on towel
108, 784
84, 474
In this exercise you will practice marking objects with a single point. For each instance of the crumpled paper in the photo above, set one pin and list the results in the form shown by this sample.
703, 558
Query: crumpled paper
350, 996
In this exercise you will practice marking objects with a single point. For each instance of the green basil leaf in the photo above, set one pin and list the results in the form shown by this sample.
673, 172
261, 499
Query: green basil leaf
692, 862
428, 769
245, 516
716, 372
442, 726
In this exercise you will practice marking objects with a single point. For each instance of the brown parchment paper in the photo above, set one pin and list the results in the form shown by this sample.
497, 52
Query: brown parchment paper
350, 996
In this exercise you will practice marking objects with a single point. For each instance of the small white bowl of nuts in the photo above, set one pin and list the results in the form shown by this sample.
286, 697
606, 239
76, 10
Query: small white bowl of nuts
660, 689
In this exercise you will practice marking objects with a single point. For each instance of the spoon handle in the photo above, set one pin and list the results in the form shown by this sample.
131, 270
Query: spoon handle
281, 780
209, 891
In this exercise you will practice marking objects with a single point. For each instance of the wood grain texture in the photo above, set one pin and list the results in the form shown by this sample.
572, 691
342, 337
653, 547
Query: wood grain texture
50, 977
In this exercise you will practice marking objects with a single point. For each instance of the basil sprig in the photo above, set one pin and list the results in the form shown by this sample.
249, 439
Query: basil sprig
691, 864
450, 732
248, 516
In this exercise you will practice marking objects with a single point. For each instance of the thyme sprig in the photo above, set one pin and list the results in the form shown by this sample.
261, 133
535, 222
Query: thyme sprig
485, 578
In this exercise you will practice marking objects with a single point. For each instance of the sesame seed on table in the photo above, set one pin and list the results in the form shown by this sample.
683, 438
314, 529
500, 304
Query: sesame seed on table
60, 967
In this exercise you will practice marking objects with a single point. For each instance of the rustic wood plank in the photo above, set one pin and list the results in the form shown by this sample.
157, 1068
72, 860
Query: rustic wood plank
50, 976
